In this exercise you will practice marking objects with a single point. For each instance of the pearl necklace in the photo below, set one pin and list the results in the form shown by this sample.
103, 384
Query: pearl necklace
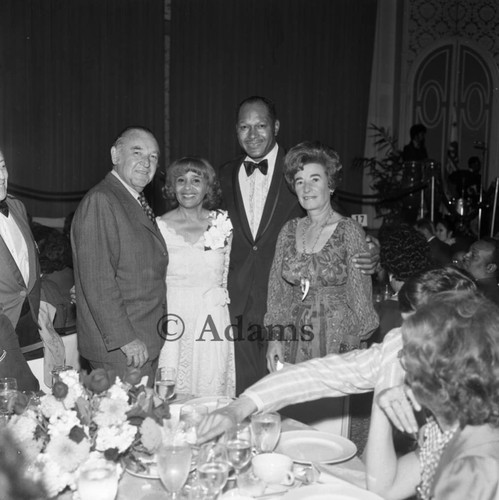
306, 226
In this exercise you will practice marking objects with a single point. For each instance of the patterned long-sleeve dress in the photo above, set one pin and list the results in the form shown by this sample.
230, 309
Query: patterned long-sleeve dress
337, 312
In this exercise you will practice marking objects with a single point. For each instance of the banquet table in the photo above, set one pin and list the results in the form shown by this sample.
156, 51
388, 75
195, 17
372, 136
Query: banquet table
135, 488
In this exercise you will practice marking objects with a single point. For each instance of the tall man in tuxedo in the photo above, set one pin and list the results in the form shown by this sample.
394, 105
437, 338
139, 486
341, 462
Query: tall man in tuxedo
259, 202
120, 261
19, 289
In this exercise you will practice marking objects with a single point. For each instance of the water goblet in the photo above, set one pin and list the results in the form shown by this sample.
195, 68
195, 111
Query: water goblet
98, 481
165, 382
190, 418
265, 430
174, 464
238, 443
212, 468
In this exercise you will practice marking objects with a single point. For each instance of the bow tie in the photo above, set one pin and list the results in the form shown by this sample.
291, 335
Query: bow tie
251, 166
4, 208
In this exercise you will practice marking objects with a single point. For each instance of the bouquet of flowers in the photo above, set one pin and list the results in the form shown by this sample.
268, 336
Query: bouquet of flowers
97, 416
217, 235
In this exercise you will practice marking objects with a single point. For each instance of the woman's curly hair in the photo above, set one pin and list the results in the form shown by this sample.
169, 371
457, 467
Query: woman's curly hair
451, 356
313, 152
201, 167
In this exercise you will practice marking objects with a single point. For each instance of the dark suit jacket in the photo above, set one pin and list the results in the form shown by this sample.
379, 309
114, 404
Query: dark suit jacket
250, 262
120, 261
440, 252
13, 289
13, 292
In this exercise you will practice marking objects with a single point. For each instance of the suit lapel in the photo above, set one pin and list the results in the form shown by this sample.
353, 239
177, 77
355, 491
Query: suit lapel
132, 206
272, 196
23, 226
10, 263
239, 203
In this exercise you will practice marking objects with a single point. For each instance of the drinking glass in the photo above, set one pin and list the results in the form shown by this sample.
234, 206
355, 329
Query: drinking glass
265, 430
238, 443
174, 464
165, 383
98, 481
190, 418
213, 468
8, 390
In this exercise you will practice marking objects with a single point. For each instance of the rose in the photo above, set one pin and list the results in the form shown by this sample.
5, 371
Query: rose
133, 376
99, 380
59, 390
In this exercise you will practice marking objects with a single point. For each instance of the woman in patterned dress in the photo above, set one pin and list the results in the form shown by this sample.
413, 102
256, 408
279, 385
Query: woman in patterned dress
318, 302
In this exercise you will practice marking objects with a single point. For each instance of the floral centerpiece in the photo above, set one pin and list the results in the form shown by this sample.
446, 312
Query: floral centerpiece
218, 233
97, 416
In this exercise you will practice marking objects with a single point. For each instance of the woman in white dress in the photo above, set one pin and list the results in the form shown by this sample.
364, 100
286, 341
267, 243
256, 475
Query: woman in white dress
197, 341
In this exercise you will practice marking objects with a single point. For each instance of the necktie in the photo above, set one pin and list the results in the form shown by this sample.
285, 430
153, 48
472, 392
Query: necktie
251, 166
147, 209
4, 208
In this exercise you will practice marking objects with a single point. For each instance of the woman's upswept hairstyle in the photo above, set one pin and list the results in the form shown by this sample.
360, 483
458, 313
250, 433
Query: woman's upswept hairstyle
451, 357
201, 167
421, 288
312, 152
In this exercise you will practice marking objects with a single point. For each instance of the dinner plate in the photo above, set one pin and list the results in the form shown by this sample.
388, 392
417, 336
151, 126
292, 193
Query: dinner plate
306, 447
331, 491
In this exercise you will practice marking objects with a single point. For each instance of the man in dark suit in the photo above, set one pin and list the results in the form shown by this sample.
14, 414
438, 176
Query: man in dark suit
19, 289
440, 252
120, 261
259, 202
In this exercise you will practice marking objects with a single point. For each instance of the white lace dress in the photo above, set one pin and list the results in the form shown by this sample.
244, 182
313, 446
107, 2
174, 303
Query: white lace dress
196, 343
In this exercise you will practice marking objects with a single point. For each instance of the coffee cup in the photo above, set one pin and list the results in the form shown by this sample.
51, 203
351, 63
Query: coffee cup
273, 468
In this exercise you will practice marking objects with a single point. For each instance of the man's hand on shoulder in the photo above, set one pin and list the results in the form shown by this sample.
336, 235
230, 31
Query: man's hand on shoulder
368, 262
136, 353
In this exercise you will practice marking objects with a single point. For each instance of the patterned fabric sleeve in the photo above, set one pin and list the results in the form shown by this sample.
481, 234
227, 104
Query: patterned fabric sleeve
280, 292
471, 477
359, 286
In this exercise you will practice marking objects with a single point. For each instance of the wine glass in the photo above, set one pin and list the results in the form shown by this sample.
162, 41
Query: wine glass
238, 443
98, 481
174, 464
213, 468
190, 418
265, 429
165, 382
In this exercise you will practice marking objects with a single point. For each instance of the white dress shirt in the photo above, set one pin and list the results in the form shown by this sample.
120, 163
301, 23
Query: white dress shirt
354, 372
255, 188
14, 239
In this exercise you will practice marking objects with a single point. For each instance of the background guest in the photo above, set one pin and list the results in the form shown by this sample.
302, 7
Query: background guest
196, 279
440, 253
314, 286
19, 289
415, 150
482, 262
451, 358
120, 260
404, 254
259, 203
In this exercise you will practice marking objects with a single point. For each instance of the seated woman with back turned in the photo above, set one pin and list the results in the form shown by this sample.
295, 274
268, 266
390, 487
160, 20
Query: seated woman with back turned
451, 358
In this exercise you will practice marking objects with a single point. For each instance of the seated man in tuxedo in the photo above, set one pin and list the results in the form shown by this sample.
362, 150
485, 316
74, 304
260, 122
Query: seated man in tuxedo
440, 252
19, 290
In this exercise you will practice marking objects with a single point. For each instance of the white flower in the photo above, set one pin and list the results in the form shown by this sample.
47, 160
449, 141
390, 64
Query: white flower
118, 391
61, 425
111, 412
120, 437
151, 434
23, 426
68, 454
75, 390
217, 234
50, 406
50, 473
